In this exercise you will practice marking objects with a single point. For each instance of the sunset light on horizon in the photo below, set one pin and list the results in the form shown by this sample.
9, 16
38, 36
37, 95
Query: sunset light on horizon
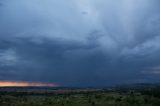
25, 84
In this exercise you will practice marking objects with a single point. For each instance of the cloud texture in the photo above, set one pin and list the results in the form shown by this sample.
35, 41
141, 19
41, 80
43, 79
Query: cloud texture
80, 42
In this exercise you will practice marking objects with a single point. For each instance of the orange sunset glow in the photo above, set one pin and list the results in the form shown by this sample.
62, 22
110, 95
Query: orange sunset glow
24, 84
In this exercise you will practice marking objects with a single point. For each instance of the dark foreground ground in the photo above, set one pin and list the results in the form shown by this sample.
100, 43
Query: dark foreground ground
137, 95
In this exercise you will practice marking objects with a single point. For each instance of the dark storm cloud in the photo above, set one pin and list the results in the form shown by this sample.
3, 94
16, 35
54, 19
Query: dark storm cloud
80, 43
51, 58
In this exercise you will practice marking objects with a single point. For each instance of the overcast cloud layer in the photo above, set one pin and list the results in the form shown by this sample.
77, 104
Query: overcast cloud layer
80, 42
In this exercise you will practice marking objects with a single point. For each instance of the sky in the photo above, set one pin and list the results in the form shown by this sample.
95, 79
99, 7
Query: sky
80, 42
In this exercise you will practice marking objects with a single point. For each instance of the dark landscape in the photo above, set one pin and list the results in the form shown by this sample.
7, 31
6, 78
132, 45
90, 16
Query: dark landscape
128, 95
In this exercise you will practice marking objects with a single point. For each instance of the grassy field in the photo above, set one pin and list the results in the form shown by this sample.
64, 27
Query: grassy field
148, 96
